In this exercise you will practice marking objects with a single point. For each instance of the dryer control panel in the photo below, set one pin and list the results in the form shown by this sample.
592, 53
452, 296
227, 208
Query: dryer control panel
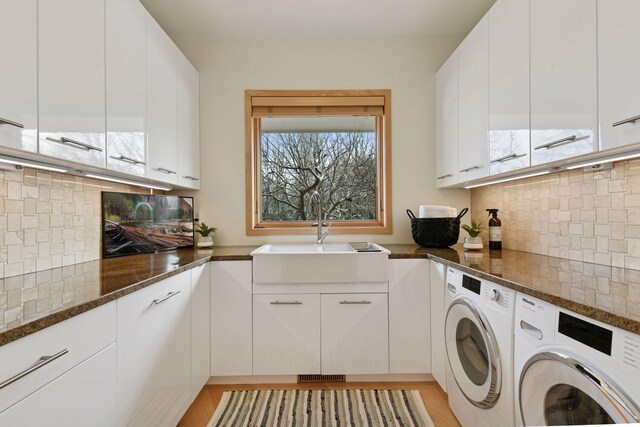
500, 297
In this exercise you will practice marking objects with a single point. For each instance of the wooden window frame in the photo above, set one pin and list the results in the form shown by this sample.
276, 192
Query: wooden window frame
274, 103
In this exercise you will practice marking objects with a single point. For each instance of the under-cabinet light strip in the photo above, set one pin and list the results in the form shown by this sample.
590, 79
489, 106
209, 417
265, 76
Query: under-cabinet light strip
30, 164
126, 181
611, 159
511, 178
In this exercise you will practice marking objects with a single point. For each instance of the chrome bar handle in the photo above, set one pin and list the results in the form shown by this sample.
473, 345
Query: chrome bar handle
11, 123
167, 171
355, 302
128, 160
508, 158
625, 121
73, 143
552, 144
470, 169
191, 178
286, 303
44, 360
169, 295
445, 176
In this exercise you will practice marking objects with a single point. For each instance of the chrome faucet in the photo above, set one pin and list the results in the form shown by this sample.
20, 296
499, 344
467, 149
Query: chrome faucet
321, 234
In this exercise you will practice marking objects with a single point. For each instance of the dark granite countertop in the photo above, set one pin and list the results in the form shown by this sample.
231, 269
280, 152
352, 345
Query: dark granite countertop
34, 301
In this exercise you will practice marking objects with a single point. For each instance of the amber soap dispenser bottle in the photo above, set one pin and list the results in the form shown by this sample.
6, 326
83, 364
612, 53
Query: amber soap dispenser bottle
495, 230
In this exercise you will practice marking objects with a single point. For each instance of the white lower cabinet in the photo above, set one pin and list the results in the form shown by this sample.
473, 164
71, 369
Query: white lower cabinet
84, 396
286, 334
355, 337
154, 353
231, 313
438, 352
409, 320
200, 329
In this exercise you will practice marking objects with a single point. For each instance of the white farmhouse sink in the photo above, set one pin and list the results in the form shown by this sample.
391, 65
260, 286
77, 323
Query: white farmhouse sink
326, 263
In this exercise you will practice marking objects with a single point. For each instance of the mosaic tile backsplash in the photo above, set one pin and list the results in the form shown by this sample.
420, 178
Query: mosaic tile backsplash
49, 219
584, 216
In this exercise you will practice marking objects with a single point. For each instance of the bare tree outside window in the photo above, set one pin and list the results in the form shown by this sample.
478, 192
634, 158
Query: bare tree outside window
290, 160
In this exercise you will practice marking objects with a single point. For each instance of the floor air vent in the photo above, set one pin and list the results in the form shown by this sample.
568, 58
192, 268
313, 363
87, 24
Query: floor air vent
321, 378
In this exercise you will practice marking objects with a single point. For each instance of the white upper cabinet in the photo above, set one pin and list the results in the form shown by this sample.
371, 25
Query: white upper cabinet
563, 79
71, 76
162, 110
509, 140
18, 74
473, 103
126, 86
188, 124
619, 71
447, 122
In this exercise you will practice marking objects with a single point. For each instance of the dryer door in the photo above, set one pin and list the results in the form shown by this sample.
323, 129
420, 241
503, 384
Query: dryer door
473, 353
556, 389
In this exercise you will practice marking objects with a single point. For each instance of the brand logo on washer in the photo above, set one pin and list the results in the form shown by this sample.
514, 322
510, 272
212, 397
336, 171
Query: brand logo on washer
528, 301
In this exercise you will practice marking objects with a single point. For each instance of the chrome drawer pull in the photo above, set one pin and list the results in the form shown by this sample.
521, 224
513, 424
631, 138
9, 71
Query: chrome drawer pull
445, 176
191, 178
128, 160
169, 295
355, 302
553, 144
507, 158
73, 143
11, 123
286, 303
625, 121
44, 360
470, 169
167, 171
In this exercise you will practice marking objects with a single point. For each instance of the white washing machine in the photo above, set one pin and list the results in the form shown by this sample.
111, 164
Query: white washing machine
479, 344
572, 370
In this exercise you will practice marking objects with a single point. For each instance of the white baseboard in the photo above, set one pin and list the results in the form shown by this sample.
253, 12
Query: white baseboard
292, 379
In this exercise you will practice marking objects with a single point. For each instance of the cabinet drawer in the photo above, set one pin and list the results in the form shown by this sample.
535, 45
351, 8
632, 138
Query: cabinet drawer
72, 341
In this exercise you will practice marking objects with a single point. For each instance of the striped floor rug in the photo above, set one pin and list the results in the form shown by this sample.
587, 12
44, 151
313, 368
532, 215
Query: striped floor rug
320, 408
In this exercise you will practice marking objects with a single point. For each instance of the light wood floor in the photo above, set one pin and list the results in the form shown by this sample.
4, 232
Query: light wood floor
201, 411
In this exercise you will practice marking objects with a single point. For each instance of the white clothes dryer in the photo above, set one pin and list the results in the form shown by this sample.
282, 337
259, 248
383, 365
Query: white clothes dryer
572, 370
479, 344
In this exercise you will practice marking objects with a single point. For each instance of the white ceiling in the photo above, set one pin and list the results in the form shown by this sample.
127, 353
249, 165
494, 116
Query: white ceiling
318, 18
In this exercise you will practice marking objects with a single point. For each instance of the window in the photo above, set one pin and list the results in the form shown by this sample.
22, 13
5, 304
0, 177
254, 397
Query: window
335, 143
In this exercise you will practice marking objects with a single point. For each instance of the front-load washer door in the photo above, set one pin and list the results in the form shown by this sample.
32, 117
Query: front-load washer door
556, 389
473, 353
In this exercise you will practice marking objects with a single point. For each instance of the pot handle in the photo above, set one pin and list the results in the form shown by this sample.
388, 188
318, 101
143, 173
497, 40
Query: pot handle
462, 213
410, 214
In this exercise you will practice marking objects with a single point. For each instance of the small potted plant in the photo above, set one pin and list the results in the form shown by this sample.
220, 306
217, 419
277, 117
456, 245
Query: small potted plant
474, 241
206, 234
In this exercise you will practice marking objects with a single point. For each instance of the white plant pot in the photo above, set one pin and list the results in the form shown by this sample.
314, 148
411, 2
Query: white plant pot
473, 242
205, 242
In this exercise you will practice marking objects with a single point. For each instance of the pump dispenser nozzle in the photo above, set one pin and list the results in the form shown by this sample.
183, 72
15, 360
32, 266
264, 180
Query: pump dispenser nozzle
493, 212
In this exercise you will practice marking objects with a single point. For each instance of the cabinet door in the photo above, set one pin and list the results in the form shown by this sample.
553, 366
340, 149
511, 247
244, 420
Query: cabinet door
473, 103
231, 313
563, 79
509, 141
286, 334
84, 396
200, 329
618, 71
126, 86
355, 334
409, 317
447, 123
438, 352
71, 79
19, 74
188, 124
162, 107
153, 353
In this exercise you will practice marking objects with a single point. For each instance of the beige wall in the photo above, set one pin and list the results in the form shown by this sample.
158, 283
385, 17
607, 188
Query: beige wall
584, 216
227, 67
